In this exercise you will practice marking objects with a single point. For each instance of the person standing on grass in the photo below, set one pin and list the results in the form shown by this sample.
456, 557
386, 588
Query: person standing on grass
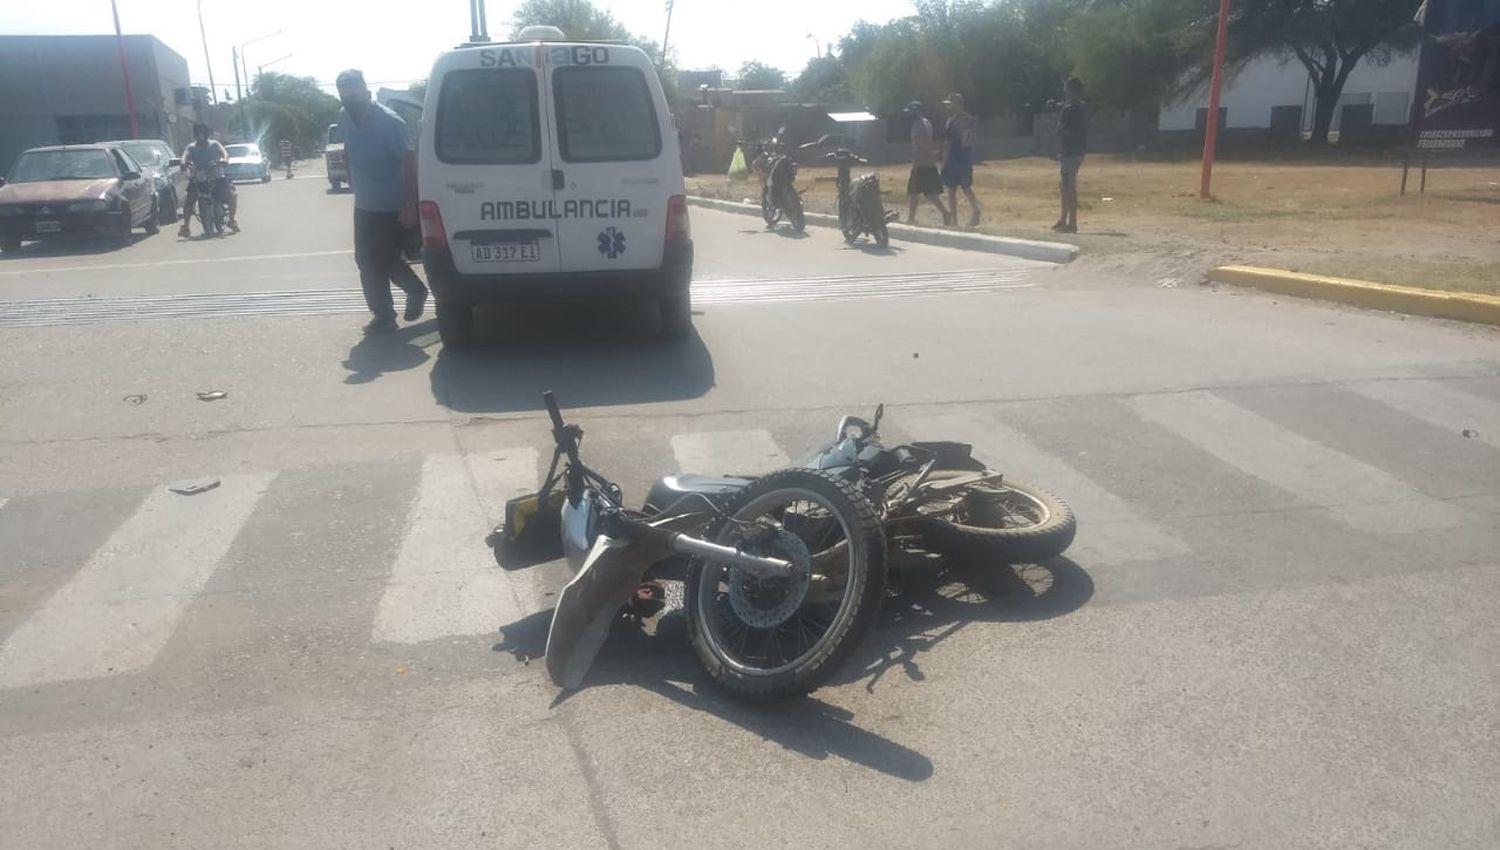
1073, 141
958, 159
924, 181
383, 175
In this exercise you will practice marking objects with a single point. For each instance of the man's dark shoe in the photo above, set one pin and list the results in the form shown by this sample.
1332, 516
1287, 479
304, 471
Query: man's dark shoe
378, 325
415, 304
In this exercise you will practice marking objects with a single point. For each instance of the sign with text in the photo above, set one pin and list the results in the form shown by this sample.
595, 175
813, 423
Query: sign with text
1457, 106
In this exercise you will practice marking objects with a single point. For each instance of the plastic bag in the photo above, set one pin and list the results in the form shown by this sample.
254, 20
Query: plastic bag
738, 168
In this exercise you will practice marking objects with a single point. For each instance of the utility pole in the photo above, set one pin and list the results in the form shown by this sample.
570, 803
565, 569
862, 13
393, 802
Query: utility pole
135, 132
202, 33
239, 93
668, 35
1211, 126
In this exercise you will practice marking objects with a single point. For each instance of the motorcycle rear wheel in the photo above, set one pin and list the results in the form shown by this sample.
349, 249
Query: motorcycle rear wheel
882, 236
767, 639
1010, 523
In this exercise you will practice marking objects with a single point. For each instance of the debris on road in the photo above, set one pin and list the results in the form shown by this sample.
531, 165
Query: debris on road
212, 395
195, 489
1470, 433
1169, 282
136, 399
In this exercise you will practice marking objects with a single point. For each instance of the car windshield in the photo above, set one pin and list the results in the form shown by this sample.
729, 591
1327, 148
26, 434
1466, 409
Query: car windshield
39, 166
243, 150
145, 154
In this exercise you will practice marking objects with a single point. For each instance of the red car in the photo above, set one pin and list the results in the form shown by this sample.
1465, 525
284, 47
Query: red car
75, 190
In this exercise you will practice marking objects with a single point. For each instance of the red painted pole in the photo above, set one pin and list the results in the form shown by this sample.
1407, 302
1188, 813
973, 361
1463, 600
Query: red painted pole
1211, 125
135, 132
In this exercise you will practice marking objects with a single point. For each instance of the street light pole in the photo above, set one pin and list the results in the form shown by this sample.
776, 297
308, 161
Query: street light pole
202, 33
817, 46
260, 70
239, 94
1211, 125
135, 132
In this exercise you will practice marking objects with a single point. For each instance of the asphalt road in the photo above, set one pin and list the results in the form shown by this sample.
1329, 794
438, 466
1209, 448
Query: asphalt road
1276, 628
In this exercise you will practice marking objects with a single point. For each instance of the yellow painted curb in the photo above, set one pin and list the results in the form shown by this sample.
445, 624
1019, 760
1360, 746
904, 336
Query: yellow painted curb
1464, 306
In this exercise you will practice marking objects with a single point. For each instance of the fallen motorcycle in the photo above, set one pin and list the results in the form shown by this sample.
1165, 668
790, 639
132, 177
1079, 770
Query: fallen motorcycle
783, 579
931, 496
783, 573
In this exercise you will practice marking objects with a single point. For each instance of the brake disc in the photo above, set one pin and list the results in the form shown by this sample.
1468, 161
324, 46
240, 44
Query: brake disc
767, 603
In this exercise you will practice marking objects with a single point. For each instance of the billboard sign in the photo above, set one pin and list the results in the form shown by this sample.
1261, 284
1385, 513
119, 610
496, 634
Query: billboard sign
1457, 106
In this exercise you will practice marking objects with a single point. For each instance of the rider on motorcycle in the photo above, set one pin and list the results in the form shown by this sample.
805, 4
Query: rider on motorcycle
204, 154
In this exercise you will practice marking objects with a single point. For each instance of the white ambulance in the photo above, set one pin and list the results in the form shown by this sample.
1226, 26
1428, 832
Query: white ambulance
550, 169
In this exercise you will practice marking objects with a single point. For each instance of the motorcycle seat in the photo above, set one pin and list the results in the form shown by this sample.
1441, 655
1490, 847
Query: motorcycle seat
673, 487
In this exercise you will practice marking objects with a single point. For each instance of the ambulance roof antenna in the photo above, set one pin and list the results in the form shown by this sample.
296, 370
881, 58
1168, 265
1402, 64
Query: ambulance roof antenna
479, 28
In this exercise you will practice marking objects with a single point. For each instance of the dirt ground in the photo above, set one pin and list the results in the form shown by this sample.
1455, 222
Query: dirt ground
1145, 219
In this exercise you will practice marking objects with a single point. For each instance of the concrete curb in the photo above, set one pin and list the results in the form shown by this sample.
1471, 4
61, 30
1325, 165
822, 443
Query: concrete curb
1463, 306
1049, 252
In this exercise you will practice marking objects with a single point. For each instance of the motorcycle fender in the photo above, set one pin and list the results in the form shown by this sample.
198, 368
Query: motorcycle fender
591, 602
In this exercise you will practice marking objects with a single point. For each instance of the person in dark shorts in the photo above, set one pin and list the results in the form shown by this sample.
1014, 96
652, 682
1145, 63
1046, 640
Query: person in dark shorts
1073, 141
924, 181
958, 157
383, 175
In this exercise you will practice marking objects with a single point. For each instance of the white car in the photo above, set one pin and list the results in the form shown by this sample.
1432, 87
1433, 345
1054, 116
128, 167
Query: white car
333, 157
550, 169
246, 162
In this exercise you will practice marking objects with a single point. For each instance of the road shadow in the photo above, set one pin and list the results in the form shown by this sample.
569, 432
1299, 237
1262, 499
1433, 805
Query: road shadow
934, 603
937, 603
874, 250
377, 354
590, 355
76, 246
789, 233
664, 664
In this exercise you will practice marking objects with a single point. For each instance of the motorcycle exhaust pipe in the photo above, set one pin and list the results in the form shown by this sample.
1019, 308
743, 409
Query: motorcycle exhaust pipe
756, 565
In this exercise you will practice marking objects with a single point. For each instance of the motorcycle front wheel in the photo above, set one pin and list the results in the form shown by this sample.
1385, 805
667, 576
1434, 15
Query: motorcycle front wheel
768, 210
847, 224
766, 638
794, 213
882, 235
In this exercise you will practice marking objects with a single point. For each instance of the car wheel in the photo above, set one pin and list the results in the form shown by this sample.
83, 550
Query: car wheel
334, 185
265, 177
455, 323
10, 244
153, 221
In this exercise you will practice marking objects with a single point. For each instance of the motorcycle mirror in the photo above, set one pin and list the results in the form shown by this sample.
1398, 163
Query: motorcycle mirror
879, 412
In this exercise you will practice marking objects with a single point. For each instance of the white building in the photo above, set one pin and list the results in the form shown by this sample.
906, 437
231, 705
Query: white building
1269, 83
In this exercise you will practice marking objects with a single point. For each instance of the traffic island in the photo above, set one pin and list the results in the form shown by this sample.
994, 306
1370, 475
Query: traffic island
1463, 306
1031, 249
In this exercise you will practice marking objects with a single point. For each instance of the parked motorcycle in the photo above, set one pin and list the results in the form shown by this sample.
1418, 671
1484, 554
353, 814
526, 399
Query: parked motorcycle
860, 208
783, 577
778, 194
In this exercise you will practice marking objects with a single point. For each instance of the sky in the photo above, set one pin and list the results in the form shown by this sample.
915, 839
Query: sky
395, 42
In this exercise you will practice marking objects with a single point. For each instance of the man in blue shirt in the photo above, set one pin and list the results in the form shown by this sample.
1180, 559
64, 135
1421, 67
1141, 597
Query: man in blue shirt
383, 175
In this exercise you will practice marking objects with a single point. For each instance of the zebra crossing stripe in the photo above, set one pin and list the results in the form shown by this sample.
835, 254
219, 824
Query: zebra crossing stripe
1108, 530
1438, 404
1359, 494
117, 612
728, 452
445, 581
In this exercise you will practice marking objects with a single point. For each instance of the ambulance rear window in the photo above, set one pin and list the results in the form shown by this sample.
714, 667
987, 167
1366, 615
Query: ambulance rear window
605, 114
489, 117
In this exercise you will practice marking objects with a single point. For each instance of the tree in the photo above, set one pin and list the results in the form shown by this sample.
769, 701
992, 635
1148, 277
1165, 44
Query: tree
757, 76
825, 79
1136, 54
578, 19
581, 19
280, 106
1329, 37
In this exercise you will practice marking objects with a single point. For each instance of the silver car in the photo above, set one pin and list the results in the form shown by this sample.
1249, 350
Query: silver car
246, 162
159, 164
